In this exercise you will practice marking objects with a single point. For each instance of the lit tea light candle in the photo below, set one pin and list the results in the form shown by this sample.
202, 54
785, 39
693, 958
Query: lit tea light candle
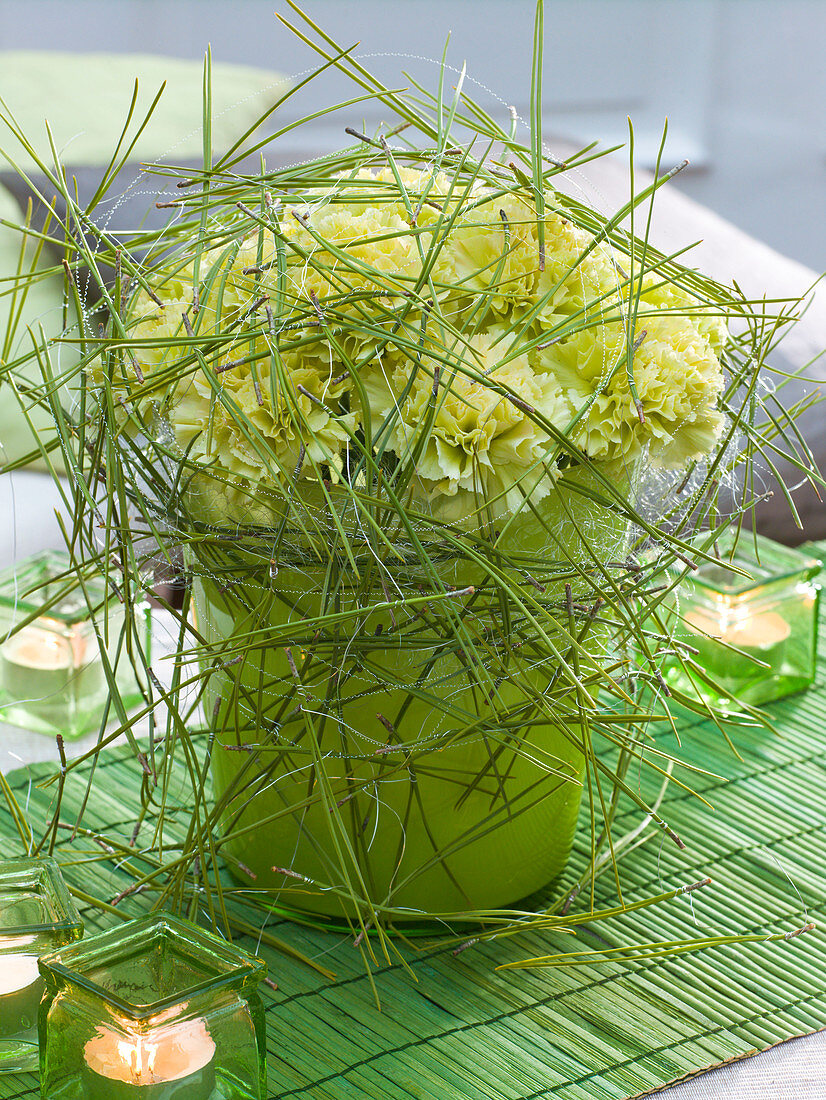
43, 662
53, 676
37, 650
155, 1009
750, 613
758, 636
167, 1062
36, 916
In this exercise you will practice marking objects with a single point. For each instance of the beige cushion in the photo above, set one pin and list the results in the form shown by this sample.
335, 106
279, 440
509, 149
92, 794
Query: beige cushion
728, 254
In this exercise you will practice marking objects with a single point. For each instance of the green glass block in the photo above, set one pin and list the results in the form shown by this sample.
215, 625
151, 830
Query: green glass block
156, 1009
52, 676
752, 617
37, 915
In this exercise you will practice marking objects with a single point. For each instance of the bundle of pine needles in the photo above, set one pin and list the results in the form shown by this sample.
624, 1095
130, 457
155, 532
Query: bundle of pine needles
392, 413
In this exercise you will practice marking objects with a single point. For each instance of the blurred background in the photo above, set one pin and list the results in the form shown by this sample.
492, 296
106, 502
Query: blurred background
742, 82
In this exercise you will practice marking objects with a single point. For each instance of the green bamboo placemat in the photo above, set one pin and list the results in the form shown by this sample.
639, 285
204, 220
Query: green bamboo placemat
602, 1033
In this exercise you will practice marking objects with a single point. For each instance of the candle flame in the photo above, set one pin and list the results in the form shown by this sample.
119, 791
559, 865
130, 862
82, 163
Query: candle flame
139, 1056
733, 616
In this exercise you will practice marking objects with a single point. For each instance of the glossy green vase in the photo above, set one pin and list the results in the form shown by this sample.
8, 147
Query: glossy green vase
382, 780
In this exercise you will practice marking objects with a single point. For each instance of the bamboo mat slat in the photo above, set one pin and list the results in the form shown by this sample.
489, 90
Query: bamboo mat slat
603, 1033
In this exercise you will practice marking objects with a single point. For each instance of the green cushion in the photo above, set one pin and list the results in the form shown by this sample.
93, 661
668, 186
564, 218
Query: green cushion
86, 98
43, 307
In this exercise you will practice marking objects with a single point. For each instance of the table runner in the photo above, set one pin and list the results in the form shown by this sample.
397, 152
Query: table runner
457, 1028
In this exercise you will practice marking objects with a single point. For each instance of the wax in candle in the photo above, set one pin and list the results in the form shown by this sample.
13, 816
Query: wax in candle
16, 972
744, 631
170, 1062
21, 988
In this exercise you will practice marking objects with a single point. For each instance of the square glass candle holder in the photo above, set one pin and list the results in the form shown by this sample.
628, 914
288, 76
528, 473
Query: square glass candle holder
755, 634
37, 915
52, 677
157, 1009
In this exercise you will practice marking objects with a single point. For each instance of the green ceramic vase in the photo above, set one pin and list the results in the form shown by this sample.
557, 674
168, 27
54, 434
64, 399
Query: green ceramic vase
384, 778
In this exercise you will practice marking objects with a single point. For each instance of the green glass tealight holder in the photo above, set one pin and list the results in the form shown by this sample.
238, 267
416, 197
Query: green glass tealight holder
156, 1009
37, 915
52, 676
751, 619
